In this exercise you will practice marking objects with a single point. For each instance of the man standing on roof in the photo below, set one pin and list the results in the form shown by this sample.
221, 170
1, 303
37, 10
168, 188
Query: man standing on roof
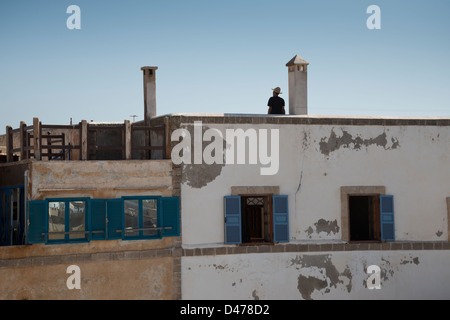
276, 103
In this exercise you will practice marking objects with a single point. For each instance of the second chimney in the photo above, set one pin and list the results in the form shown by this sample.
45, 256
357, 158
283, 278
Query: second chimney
298, 85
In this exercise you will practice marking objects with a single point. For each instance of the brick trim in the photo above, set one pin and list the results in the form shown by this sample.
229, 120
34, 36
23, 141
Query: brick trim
177, 253
317, 247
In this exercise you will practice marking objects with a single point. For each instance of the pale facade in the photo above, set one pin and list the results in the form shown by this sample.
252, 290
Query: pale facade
329, 169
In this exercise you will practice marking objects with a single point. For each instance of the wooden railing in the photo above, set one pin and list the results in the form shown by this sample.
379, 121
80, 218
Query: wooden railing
90, 141
148, 147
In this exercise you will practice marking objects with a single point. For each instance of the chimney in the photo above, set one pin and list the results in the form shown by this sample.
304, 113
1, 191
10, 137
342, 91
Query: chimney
298, 89
149, 93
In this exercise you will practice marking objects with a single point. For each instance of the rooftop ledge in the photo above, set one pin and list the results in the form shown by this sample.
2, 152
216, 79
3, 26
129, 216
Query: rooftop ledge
306, 119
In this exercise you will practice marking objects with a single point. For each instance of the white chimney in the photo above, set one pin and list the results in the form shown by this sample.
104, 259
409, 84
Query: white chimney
149, 93
298, 88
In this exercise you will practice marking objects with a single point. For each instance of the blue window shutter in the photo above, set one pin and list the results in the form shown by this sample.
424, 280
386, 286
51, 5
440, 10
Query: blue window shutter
7, 216
2, 222
170, 209
387, 217
22, 222
37, 215
232, 208
98, 219
280, 218
4, 216
114, 212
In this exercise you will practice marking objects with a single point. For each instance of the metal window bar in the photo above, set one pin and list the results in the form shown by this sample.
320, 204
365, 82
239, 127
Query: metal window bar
144, 229
71, 232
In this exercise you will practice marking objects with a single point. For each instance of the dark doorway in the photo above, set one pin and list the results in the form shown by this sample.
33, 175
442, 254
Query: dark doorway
256, 222
364, 218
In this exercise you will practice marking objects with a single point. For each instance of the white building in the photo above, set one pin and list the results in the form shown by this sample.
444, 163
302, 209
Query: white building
349, 193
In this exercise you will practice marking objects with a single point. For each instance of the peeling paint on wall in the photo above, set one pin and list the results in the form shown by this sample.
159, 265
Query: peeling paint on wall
305, 140
199, 175
333, 142
314, 275
414, 260
389, 267
317, 273
387, 270
324, 226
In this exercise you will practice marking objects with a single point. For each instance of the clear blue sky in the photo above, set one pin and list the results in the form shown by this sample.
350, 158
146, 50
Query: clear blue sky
220, 57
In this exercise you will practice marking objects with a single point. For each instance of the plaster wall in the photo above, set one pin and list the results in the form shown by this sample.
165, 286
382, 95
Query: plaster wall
315, 161
311, 276
119, 279
109, 269
99, 179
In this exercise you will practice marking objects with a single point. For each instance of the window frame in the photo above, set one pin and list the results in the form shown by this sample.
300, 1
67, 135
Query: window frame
268, 214
67, 238
275, 219
380, 191
141, 235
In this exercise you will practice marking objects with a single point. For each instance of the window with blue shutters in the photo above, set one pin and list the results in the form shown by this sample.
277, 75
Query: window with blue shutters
74, 220
256, 219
